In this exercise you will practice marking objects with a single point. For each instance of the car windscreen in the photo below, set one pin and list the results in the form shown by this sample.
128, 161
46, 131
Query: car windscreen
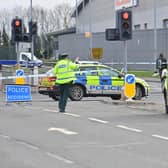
108, 72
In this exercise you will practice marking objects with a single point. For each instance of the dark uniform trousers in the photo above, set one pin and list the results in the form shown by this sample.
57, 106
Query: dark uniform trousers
64, 94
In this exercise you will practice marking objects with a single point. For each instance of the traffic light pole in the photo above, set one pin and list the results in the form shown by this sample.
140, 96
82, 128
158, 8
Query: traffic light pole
17, 52
32, 42
125, 57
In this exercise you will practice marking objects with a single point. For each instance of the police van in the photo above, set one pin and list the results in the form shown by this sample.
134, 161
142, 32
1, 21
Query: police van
25, 60
99, 80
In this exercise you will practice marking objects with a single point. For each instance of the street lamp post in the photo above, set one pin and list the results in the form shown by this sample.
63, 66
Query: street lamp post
31, 21
76, 12
90, 28
155, 31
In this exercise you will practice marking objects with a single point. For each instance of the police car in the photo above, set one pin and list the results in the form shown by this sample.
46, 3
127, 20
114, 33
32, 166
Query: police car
100, 80
46, 82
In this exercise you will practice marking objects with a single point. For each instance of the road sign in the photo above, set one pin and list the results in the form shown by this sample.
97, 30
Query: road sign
129, 88
19, 72
120, 4
17, 93
20, 80
97, 53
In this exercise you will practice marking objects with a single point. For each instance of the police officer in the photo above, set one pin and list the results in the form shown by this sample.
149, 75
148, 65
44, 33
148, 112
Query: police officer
64, 71
161, 63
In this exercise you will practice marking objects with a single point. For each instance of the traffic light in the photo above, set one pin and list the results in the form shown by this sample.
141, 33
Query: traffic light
26, 37
124, 18
112, 34
17, 30
33, 28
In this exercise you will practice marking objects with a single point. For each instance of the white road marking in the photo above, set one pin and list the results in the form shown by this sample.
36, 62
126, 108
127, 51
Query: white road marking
50, 110
63, 130
59, 158
130, 129
73, 115
98, 120
29, 145
160, 137
4, 136
98, 145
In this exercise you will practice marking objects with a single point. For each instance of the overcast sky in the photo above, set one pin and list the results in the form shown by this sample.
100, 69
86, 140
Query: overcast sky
8, 4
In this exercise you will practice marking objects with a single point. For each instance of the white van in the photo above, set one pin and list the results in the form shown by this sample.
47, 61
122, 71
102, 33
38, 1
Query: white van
25, 60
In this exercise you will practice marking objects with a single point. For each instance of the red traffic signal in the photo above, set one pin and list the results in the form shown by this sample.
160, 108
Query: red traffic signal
17, 23
125, 15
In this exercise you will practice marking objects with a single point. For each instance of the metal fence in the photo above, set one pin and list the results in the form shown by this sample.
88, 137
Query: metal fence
140, 49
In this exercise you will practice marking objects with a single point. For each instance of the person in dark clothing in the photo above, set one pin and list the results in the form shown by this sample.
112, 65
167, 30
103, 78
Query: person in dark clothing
161, 63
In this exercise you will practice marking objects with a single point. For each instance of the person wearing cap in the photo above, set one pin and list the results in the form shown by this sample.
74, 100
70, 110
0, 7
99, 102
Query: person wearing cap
64, 71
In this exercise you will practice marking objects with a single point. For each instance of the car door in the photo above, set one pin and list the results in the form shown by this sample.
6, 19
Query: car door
90, 78
111, 80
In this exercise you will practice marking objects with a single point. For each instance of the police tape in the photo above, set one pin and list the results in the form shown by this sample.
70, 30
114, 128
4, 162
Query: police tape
24, 76
88, 72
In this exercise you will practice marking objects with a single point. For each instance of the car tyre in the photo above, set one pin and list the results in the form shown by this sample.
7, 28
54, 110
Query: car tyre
139, 93
116, 97
76, 93
166, 100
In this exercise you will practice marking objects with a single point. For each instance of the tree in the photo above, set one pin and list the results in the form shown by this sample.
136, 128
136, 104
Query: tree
62, 15
48, 20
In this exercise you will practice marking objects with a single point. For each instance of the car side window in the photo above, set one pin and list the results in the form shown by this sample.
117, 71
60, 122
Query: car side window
25, 58
108, 72
90, 71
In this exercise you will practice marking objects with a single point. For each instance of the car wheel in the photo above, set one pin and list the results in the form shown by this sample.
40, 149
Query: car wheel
139, 93
76, 93
166, 100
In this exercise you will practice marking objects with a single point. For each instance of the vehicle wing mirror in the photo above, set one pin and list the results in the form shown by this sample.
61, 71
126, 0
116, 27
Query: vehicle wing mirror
120, 75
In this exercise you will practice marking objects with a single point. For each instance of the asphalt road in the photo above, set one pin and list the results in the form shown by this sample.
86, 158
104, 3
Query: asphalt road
93, 133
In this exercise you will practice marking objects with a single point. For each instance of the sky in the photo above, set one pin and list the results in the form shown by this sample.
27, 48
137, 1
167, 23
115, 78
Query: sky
9, 4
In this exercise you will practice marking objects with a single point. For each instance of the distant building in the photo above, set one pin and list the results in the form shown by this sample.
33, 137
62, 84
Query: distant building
97, 15
101, 14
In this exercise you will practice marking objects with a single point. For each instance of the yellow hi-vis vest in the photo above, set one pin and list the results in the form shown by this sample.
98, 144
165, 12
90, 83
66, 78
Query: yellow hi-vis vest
64, 71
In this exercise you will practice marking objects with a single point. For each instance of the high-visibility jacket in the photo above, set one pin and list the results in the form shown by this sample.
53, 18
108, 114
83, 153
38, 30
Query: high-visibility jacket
64, 71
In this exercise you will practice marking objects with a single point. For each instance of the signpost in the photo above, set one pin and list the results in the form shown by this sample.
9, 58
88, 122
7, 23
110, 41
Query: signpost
20, 80
129, 89
18, 93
